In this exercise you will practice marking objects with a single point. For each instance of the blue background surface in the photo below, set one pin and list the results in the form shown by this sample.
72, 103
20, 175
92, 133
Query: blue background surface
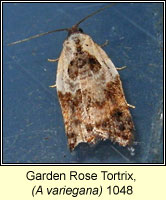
33, 129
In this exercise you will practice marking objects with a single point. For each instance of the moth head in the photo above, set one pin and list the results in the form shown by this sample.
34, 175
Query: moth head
74, 29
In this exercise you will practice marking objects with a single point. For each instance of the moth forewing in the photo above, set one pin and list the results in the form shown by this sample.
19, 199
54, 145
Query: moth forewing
91, 95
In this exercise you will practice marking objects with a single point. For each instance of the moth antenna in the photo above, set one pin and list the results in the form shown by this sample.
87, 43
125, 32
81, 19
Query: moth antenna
64, 29
94, 13
36, 36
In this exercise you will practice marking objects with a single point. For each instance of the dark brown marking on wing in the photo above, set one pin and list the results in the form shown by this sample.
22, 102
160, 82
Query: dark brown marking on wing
73, 70
94, 64
114, 92
71, 106
84, 64
89, 127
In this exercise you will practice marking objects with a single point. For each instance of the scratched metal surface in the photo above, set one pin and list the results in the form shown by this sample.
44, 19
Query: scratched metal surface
33, 130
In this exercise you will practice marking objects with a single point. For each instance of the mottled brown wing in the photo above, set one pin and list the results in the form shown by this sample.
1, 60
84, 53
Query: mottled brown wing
91, 95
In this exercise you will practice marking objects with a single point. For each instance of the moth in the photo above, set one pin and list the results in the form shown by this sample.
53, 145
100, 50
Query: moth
90, 91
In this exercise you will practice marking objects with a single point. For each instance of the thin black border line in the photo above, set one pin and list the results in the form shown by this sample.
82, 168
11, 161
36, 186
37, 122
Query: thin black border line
83, 1
82, 164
